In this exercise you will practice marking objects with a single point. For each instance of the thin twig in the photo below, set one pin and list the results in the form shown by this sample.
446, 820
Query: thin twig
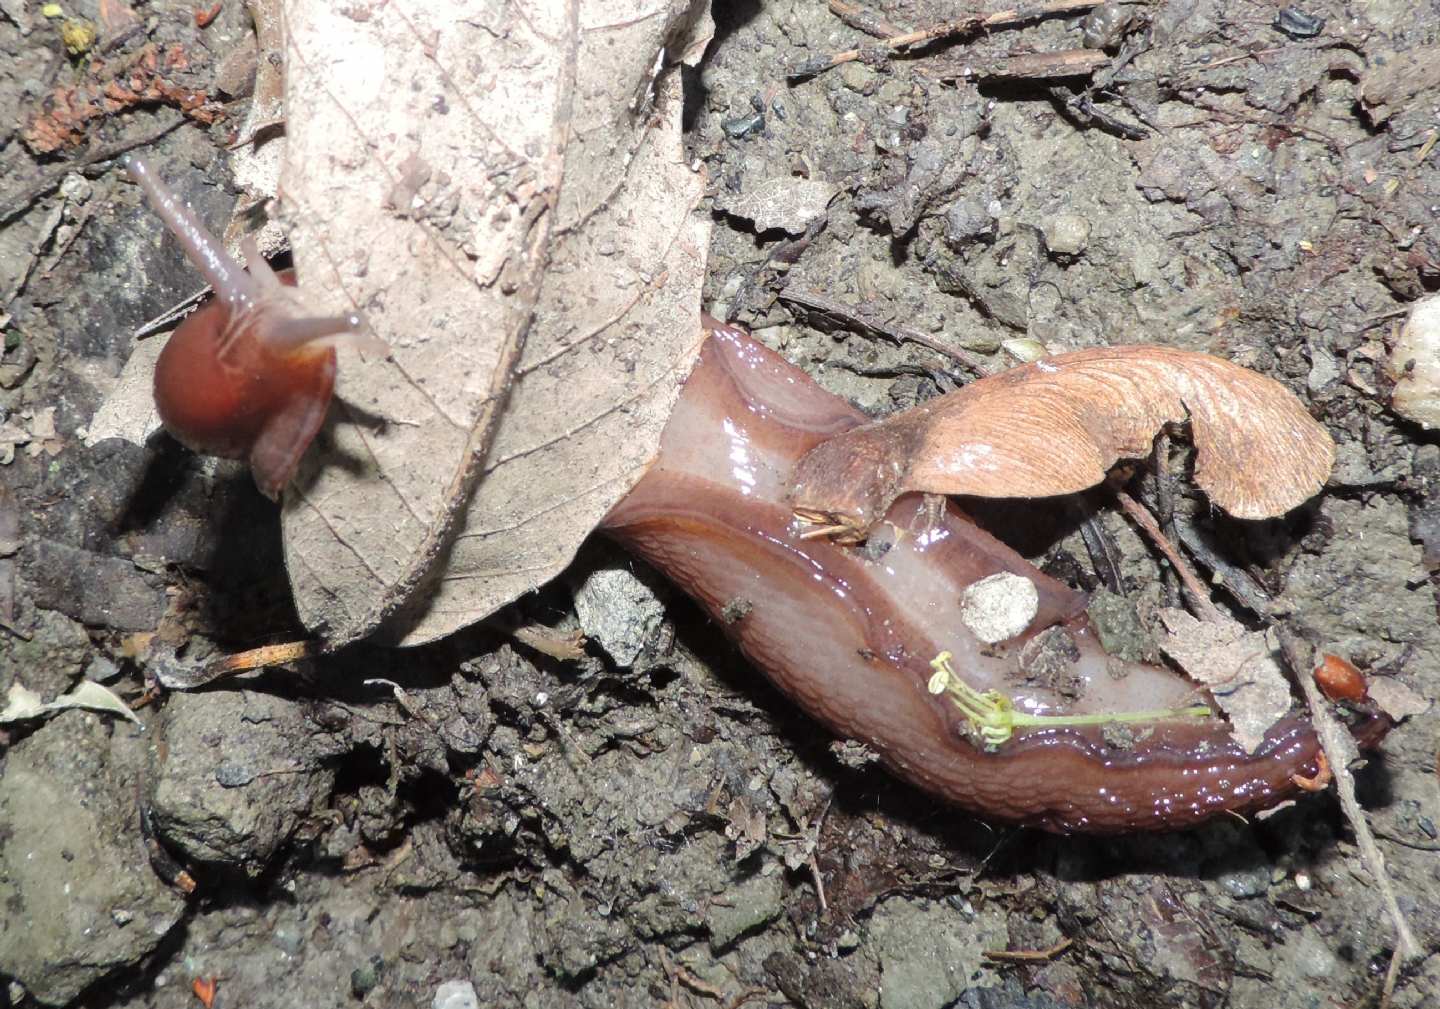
861, 319
173, 675
1032, 66
1104, 557
171, 315
864, 20
972, 24
1340, 749
1199, 596
1029, 955
1392, 975
1081, 110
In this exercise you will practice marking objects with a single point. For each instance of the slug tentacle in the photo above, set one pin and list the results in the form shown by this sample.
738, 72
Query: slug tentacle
851, 634
228, 278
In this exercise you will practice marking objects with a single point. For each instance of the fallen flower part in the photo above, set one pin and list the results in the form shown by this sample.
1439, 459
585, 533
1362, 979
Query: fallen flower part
1338, 679
1057, 425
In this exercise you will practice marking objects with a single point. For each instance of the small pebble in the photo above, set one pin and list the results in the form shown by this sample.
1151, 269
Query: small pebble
364, 978
1298, 24
1415, 365
1105, 26
456, 995
999, 607
743, 126
287, 940
1244, 884
1067, 234
857, 76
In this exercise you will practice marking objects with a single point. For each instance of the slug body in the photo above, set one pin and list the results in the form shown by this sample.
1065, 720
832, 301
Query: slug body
850, 633
251, 374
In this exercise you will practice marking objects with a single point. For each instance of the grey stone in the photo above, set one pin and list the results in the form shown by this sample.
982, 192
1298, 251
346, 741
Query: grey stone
618, 611
456, 995
80, 899
754, 902
930, 955
1243, 884
241, 771
364, 978
1119, 628
1067, 234
94, 589
50, 660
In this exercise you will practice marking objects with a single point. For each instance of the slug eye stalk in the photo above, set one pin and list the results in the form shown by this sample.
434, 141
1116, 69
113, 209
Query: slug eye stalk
993, 717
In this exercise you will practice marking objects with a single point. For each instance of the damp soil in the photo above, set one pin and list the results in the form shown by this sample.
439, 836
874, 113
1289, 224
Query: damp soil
651, 824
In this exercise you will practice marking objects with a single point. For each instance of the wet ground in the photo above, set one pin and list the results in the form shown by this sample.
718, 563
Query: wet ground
652, 824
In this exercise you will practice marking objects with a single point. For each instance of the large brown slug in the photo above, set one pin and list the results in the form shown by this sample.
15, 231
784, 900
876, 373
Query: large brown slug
850, 634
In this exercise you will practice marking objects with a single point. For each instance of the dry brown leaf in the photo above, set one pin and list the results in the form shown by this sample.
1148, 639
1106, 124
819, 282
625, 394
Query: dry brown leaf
1057, 425
475, 177
502, 191
1241, 668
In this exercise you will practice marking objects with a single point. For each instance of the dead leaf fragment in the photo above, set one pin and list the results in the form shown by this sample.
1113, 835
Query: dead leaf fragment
543, 221
64, 116
128, 412
1396, 699
746, 826
22, 703
788, 204
1241, 668
1057, 425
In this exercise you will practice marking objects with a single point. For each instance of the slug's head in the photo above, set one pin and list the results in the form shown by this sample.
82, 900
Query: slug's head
250, 375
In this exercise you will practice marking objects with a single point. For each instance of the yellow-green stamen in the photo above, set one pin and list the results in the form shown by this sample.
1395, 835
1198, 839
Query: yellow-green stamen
994, 718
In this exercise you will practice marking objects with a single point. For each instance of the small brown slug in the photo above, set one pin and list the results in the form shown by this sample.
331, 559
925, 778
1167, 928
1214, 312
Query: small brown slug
250, 374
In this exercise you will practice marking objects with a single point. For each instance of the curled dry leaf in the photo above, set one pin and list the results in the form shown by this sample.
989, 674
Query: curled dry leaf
1057, 425
502, 191
22, 703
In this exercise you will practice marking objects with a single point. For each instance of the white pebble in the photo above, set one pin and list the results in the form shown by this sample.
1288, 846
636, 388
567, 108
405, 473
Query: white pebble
999, 607
456, 995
